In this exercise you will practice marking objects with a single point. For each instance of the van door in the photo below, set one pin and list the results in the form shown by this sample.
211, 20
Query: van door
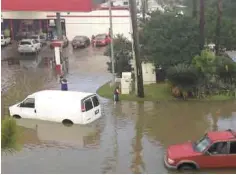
97, 108
28, 108
89, 112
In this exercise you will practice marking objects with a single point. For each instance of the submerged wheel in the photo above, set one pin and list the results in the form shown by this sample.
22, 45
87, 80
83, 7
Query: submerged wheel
67, 122
16, 116
187, 167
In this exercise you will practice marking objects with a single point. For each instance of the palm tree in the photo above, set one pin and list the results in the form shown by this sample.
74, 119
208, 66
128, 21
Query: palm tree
202, 24
218, 26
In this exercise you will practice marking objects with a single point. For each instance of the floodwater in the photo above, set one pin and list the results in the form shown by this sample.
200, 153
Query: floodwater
129, 138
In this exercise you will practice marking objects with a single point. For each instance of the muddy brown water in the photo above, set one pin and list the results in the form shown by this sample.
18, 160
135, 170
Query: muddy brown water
130, 137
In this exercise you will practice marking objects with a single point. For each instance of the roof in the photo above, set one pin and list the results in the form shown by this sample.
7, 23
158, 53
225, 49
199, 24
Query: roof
50, 93
221, 135
232, 54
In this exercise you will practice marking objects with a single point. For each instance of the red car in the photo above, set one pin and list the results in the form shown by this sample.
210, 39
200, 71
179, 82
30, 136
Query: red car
217, 149
101, 40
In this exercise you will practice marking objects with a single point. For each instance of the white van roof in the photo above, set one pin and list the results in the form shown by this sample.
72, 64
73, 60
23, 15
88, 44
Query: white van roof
59, 93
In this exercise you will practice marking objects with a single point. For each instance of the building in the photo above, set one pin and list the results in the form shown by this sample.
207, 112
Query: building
90, 20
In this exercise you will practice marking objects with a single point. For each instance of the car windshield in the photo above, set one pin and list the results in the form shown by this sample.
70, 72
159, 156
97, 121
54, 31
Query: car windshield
79, 38
100, 37
202, 144
25, 43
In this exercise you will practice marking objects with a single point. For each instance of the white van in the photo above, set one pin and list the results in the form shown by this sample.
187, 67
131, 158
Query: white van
59, 106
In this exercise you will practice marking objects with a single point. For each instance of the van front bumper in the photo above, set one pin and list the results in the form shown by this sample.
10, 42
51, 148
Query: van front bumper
167, 165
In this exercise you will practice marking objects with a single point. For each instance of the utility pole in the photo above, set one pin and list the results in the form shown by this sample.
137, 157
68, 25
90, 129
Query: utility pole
133, 11
133, 54
111, 44
58, 25
202, 24
218, 26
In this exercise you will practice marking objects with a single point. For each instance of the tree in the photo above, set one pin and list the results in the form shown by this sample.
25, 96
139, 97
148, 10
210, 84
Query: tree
168, 40
122, 54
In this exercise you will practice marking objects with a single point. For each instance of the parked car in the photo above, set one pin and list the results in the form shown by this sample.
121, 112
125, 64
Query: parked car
217, 149
80, 41
5, 40
101, 40
65, 42
28, 46
40, 38
59, 106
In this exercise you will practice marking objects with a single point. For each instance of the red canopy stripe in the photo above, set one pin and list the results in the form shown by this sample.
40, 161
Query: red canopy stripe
48, 5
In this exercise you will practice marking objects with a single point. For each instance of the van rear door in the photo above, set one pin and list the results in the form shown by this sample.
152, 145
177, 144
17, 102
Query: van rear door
96, 105
87, 110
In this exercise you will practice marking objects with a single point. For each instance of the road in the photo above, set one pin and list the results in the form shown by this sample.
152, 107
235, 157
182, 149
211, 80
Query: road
129, 138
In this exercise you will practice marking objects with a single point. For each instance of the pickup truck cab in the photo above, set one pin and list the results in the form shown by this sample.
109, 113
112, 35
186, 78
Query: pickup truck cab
39, 38
29, 46
217, 149
5, 40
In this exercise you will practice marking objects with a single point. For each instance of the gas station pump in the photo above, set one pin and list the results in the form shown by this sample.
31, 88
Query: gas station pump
57, 46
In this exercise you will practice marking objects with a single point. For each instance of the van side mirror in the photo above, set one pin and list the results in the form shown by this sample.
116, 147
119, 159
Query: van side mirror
21, 104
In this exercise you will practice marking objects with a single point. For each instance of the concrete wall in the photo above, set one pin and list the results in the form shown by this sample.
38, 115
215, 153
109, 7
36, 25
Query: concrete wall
96, 22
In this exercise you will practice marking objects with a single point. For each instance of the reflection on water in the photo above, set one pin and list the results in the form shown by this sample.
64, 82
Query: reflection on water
75, 135
130, 138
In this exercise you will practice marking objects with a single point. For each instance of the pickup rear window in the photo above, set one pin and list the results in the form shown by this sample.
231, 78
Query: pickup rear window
25, 43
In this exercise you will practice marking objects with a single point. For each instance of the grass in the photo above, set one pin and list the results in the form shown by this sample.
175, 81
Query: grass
10, 134
220, 98
153, 92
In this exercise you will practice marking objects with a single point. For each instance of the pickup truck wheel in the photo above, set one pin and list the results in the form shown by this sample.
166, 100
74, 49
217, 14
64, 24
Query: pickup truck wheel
187, 167
16, 116
67, 122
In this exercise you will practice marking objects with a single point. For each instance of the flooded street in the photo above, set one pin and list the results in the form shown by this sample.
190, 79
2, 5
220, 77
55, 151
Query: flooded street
130, 137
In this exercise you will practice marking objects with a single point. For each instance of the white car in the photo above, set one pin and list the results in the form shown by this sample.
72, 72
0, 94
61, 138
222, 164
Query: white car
5, 40
59, 106
29, 46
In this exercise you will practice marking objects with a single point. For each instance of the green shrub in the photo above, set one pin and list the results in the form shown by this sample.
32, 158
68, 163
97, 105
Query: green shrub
226, 69
183, 76
9, 133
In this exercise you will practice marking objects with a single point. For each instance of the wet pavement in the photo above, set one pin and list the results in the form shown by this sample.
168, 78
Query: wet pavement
130, 137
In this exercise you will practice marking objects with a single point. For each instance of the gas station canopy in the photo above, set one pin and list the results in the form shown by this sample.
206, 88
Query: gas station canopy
48, 5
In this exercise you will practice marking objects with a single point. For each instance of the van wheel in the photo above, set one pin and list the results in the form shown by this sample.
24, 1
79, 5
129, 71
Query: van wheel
187, 167
67, 122
16, 116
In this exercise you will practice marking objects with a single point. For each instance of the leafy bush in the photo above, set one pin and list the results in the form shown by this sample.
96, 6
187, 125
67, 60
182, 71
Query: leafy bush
226, 69
122, 54
183, 76
205, 62
9, 133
